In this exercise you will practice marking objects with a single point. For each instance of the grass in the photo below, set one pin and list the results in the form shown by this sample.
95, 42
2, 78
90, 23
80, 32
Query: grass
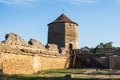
59, 74
52, 74
63, 71
100, 73
22, 77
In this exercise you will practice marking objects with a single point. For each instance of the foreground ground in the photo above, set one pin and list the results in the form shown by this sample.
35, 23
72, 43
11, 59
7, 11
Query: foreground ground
68, 74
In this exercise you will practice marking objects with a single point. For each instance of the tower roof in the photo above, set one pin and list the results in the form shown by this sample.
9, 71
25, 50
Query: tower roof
63, 18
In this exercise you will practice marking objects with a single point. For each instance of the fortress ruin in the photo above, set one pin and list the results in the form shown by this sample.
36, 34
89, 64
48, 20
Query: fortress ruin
19, 57
61, 51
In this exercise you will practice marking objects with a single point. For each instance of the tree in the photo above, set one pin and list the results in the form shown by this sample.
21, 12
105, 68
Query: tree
102, 45
108, 45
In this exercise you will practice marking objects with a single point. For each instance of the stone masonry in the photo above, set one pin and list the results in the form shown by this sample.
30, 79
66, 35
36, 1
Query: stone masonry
63, 32
19, 57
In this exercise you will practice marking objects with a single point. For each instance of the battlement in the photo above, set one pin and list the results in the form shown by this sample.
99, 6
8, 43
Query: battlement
14, 41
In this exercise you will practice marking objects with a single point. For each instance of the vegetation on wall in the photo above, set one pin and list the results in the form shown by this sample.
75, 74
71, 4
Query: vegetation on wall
102, 45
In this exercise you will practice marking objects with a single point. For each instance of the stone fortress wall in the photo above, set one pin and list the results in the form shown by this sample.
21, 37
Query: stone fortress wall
104, 58
19, 57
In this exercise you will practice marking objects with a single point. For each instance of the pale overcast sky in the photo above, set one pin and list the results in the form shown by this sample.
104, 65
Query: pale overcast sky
99, 20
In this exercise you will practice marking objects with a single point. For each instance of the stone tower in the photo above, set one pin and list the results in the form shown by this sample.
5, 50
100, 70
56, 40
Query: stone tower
63, 32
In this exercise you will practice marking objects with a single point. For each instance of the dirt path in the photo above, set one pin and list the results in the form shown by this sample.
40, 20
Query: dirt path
101, 74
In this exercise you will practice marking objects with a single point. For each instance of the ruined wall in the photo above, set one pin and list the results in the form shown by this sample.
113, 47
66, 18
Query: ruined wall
26, 64
17, 64
108, 50
14, 39
19, 57
114, 62
90, 61
104, 58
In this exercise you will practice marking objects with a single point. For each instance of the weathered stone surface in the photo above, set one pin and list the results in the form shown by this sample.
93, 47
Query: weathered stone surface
114, 62
29, 59
36, 44
85, 50
63, 32
71, 35
17, 64
52, 48
56, 34
14, 39
107, 50
28, 64
64, 51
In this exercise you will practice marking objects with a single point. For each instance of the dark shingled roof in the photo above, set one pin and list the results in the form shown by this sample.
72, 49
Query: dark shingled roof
63, 18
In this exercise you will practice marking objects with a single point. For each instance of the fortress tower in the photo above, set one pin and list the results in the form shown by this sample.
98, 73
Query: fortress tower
63, 32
